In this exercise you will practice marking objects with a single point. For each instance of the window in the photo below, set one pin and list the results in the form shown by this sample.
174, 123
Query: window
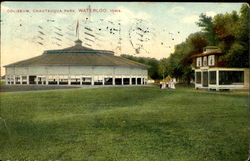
24, 79
211, 60
198, 77
98, 80
126, 81
138, 80
198, 62
211, 49
133, 80
18, 79
53, 80
86, 80
212, 77
108, 81
75, 80
231, 77
204, 61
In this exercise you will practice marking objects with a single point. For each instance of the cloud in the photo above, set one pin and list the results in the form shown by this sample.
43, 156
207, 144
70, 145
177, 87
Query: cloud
190, 19
127, 16
177, 9
211, 13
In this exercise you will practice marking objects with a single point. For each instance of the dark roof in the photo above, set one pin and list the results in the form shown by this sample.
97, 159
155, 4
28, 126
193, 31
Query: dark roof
77, 56
75, 59
213, 52
211, 47
78, 41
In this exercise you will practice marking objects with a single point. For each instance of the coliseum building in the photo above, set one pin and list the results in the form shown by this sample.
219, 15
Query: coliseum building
76, 65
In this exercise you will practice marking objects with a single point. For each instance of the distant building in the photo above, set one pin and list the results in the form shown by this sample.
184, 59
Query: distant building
210, 73
3, 78
76, 65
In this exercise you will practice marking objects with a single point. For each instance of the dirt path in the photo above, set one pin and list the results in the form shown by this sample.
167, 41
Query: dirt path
25, 89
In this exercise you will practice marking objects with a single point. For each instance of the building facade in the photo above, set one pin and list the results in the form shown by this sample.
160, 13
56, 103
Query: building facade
76, 65
210, 73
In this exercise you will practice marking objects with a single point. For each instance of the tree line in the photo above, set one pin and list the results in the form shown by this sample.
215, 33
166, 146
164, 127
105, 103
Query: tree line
229, 32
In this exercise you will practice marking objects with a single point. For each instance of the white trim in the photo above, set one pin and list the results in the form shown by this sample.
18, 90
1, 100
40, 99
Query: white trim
217, 86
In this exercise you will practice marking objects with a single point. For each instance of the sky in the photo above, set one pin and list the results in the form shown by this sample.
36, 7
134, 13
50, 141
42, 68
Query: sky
145, 29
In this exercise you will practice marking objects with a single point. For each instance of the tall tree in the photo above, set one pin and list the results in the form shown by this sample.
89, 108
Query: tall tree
207, 27
233, 33
153, 64
163, 67
243, 25
179, 62
225, 26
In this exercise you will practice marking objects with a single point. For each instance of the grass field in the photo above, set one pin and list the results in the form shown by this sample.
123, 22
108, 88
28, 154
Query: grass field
125, 124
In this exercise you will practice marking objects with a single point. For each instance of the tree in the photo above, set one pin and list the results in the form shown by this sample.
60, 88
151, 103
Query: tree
243, 25
233, 34
153, 70
237, 56
179, 62
153, 64
163, 67
207, 27
195, 44
225, 26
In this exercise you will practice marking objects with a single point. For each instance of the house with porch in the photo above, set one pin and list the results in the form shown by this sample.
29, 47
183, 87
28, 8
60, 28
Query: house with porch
211, 73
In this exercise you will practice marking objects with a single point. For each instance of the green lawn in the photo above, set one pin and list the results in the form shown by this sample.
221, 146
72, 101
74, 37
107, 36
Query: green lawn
124, 124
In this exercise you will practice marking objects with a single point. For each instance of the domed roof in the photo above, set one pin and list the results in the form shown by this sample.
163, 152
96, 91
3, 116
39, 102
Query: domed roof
77, 55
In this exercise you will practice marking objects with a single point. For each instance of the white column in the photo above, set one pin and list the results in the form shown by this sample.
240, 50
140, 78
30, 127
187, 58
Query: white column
14, 79
42, 79
28, 79
92, 80
122, 81
130, 80
46, 80
217, 80
69, 80
135, 80
103, 79
113, 79
21, 79
80, 80
58, 79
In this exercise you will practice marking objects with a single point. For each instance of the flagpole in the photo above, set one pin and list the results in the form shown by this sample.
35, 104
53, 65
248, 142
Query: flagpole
77, 29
